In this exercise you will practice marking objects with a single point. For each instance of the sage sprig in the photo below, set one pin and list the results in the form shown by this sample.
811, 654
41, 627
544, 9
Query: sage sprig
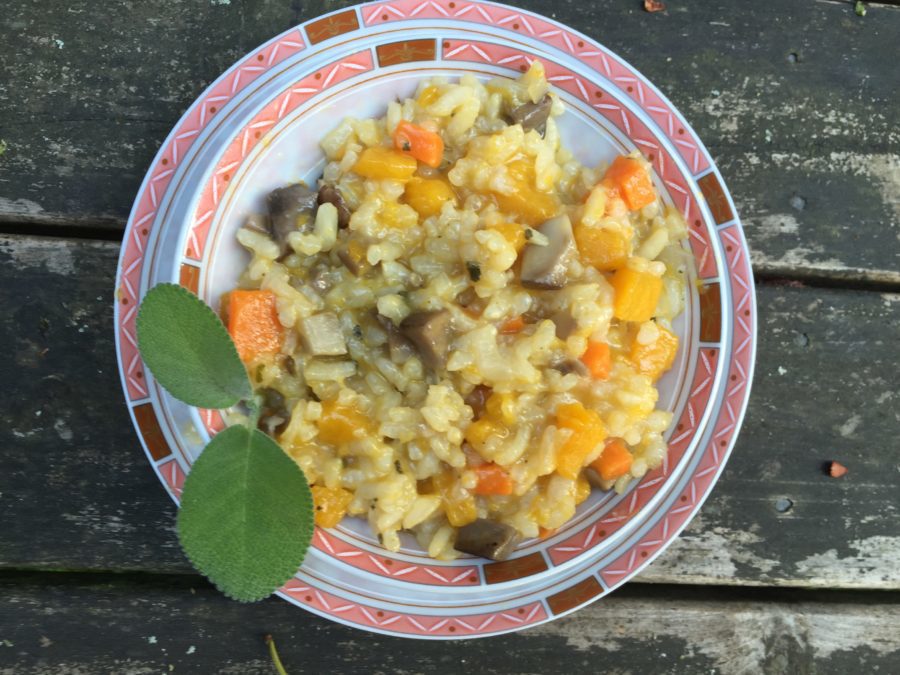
246, 516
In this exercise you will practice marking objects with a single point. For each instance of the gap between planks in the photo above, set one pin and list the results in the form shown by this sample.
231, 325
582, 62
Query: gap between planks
110, 234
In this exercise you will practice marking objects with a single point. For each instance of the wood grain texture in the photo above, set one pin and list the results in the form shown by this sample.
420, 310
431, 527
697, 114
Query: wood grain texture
158, 625
799, 105
76, 491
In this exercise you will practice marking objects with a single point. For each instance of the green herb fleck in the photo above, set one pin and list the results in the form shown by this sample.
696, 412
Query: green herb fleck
474, 271
3, 147
859, 8
529, 233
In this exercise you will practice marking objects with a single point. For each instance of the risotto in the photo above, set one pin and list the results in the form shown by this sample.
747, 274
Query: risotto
458, 332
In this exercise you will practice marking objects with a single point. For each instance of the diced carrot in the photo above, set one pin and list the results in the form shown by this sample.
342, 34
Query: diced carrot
614, 461
657, 357
426, 146
331, 504
543, 532
629, 176
588, 432
253, 323
597, 359
380, 163
512, 326
492, 480
636, 294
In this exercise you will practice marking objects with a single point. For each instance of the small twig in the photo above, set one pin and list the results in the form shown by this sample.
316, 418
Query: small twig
279, 668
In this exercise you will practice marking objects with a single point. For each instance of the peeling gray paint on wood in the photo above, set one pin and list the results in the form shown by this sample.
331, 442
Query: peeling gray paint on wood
798, 105
78, 493
133, 626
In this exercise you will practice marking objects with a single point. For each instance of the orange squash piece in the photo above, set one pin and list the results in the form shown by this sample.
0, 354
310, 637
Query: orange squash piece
588, 432
657, 357
636, 294
531, 205
380, 163
338, 423
604, 248
459, 506
253, 323
330, 505
427, 195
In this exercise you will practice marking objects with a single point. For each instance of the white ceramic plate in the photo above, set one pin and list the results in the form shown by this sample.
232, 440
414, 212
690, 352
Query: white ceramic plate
258, 127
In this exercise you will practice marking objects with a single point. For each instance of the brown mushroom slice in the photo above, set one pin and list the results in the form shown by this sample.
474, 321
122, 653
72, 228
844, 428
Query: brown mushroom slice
565, 324
430, 334
329, 194
291, 209
353, 254
545, 267
568, 366
322, 335
399, 345
487, 538
594, 478
533, 115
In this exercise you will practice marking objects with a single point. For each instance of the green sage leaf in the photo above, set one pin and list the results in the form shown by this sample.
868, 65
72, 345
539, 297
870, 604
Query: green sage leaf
186, 347
246, 515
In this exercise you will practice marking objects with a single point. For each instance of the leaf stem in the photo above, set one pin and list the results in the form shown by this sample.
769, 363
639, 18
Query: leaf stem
255, 406
279, 668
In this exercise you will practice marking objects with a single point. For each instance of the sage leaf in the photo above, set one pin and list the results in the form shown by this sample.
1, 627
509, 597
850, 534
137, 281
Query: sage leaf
186, 347
246, 516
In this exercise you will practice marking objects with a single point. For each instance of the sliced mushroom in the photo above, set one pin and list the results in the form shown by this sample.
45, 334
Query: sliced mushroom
533, 115
353, 255
594, 478
545, 267
399, 346
291, 208
329, 194
567, 366
430, 334
565, 324
322, 335
274, 417
487, 538
477, 400
322, 278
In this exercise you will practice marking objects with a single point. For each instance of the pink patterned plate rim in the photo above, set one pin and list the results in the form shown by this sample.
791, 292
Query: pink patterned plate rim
221, 151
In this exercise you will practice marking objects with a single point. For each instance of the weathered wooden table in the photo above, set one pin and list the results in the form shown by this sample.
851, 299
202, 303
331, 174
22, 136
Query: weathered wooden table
786, 569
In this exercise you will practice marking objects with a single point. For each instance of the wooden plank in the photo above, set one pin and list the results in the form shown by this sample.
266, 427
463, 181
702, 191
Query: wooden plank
77, 492
162, 625
797, 103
